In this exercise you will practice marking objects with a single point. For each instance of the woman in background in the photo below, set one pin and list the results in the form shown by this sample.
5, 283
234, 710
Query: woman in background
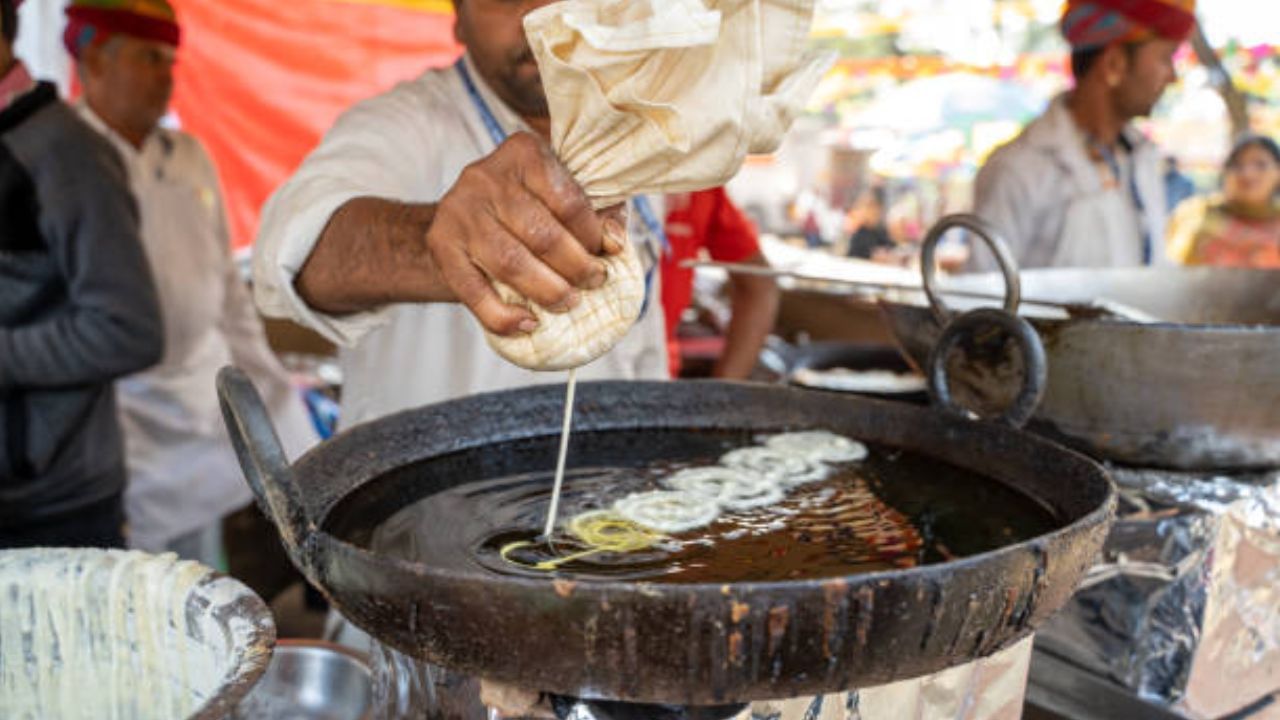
1241, 227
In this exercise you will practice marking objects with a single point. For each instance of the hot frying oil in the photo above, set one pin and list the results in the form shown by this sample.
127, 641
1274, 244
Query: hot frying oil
893, 510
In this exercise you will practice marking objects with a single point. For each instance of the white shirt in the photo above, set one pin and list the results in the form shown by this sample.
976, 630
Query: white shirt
183, 474
411, 144
1049, 200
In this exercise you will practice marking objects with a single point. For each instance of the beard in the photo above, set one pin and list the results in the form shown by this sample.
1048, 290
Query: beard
1137, 105
522, 84
1135, 99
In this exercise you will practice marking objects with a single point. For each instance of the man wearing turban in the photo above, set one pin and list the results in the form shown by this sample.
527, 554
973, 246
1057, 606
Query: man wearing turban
1081, 187
183, 477
77, 310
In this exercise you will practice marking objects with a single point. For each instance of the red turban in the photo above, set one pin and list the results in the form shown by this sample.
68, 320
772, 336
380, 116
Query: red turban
95, 20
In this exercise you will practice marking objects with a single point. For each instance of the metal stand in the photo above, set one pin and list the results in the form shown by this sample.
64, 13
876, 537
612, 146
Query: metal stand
1063, 689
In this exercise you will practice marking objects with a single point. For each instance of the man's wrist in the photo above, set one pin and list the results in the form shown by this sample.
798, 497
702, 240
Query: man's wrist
413, 275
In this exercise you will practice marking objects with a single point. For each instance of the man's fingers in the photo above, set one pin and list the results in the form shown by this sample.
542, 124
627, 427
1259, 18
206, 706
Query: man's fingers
613, 221
475, 291
517, 217
506, 259
541, 232
550, 182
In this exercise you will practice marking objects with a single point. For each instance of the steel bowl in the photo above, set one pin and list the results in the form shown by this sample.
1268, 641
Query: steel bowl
311, 680
87, 634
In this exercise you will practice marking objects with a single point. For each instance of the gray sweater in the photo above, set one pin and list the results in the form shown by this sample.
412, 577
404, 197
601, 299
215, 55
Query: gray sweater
77, 310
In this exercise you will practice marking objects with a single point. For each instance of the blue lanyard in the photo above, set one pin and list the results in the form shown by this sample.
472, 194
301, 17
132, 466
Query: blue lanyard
642, 205
650, 220
1114, 163
496, 133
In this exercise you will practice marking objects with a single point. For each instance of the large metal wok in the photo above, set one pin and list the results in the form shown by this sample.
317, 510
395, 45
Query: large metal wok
691, 644
1197, 389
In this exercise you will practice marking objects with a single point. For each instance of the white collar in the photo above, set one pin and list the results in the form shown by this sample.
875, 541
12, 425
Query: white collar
125, 147
1057, 129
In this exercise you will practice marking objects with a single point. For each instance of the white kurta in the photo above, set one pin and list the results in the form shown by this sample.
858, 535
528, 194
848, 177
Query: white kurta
411, 144
183, 474
1049, 200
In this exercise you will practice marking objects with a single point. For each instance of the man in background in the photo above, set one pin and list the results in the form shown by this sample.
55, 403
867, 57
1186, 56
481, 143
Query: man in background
1081, 186
183, 475
708, 221
77, 310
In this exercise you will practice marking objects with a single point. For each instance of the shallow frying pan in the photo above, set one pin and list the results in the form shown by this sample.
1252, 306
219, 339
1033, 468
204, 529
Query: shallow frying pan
691, 644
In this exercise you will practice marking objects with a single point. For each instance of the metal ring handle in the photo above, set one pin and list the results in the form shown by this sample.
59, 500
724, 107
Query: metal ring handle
992, 238
1029, 347
263, 460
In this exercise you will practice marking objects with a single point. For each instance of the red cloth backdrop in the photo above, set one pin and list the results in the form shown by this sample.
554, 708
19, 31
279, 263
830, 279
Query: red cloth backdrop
259, 81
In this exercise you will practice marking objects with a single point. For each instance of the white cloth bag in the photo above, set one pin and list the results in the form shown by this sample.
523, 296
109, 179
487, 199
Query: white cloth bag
651, 97
658, 96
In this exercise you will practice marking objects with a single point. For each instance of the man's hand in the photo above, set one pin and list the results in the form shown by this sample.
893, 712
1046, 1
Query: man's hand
517, 217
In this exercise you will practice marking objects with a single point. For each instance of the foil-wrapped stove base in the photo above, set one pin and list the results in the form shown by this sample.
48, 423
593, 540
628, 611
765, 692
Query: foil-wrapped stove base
988, 689
1183, 609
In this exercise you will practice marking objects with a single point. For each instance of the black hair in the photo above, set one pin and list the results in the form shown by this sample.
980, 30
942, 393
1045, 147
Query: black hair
1083, 59
1249, 140
9, 20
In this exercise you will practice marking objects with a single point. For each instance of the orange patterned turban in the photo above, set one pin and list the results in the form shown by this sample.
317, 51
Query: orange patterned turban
1096, 23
